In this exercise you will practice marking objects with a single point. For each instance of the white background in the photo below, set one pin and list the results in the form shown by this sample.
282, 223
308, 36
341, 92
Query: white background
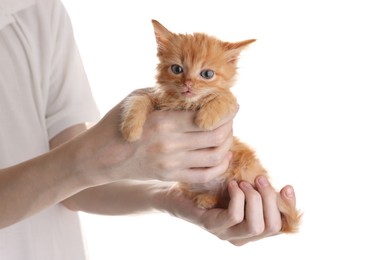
314, 102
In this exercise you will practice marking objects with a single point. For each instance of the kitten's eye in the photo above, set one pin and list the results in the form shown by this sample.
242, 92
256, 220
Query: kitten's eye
207, 74
176, 69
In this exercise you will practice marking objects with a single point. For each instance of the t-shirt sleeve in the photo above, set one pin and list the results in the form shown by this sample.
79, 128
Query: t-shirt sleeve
70, 100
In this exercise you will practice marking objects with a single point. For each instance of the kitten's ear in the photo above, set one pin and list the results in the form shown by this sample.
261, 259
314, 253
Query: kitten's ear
163, 35
234, 49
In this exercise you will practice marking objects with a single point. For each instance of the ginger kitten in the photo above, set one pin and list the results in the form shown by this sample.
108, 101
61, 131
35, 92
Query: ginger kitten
195, 72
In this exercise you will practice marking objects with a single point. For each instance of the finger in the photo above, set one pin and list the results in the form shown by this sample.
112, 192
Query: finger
236, 204
206, 165
272, 218
169, 143
218, 221
272, 222
199, 166
209, 157
288, 195
253, 224
206, 139
185, 141
253, 211
204, 175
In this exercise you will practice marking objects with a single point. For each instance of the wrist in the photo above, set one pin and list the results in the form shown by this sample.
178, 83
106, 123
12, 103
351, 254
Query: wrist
94, 160
160, 197
78, 158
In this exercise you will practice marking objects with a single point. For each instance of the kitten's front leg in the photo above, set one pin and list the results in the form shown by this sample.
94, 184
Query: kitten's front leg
214, 111
135, 111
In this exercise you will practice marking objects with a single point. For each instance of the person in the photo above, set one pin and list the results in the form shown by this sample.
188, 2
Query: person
53, 165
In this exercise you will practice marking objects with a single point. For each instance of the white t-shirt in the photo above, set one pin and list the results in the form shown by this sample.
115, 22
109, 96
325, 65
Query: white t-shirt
43, 90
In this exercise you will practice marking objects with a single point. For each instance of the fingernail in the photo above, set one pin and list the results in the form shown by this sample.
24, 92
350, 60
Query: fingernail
245, 185
263, 182
233, 183
289, 192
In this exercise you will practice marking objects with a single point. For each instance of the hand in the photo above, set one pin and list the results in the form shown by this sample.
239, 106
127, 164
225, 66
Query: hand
252, 213
171, 148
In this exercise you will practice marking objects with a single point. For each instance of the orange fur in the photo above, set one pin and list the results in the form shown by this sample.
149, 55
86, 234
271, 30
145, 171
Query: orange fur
196, 72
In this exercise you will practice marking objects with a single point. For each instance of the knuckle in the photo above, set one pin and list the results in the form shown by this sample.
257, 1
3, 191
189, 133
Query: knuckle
235, 217
159, 126
163, 147
253, 197
158, 123
256, 229
160, 147
217, 138
269, 195
165, 165
210, 227
274, 227
215, 158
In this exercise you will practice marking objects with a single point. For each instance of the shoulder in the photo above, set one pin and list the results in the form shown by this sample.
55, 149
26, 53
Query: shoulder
32, 10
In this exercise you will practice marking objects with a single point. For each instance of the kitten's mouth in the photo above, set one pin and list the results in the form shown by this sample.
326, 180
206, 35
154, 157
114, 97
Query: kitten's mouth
188, 93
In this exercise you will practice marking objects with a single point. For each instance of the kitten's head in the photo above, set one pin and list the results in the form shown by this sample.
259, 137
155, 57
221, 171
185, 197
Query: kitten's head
196, 65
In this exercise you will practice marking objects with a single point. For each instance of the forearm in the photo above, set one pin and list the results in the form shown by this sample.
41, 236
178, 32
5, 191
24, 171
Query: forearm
120, 198
70, 167
34, 185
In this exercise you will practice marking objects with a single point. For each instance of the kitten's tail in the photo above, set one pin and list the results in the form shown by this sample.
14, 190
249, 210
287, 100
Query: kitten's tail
291, 217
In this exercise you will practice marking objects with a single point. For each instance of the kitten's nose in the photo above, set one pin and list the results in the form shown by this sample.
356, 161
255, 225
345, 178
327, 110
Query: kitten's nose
188, 83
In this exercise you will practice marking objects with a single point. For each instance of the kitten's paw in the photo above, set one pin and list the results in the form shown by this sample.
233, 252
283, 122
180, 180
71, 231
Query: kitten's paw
134, 114
206, 201
130, 132
206, 119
